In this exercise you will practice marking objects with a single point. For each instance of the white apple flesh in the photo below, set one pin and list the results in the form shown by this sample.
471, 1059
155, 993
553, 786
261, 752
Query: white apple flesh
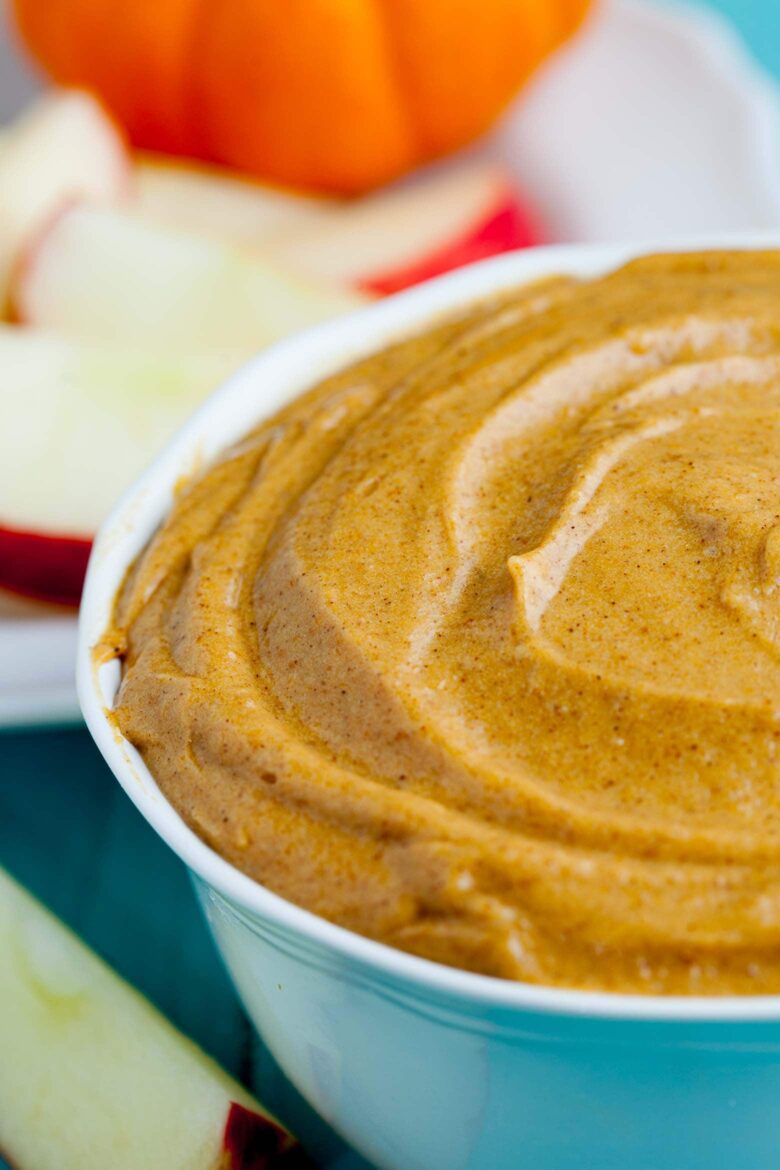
383, 242
220, 204
64, 149
80, 421
93, 1077
412, 232
103, 273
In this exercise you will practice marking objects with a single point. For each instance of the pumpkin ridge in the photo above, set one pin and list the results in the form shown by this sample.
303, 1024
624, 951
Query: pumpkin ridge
190, 83
463, 61
402, 83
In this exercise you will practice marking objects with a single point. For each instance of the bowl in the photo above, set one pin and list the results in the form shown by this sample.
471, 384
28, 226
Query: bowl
416, 1065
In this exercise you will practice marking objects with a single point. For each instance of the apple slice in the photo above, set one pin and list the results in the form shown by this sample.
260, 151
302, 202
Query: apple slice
103, 273
382, 243
92, 1077
389, 241
63, 149
220, 204
78, 422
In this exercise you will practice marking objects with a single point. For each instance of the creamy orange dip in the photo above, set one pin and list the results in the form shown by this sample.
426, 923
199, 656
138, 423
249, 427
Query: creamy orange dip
475, 648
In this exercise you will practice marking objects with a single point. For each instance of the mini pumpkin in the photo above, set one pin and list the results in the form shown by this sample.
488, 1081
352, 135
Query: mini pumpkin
336, 95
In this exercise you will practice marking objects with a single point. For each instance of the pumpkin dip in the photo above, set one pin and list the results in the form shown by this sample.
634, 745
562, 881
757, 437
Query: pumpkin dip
475, 648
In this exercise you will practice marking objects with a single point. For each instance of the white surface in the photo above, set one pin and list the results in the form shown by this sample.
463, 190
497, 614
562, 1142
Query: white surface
37, 664
654, 122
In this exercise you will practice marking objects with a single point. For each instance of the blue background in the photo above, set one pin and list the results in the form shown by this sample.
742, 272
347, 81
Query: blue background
758, 21
69, 834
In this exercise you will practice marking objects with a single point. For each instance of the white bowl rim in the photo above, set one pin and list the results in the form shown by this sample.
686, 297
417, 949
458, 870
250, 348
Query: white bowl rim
324, 348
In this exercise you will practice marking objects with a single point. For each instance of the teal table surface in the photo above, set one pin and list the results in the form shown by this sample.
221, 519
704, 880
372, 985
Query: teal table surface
69, 833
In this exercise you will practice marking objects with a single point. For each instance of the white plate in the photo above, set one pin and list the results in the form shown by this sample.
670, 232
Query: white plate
37, 663
653, 123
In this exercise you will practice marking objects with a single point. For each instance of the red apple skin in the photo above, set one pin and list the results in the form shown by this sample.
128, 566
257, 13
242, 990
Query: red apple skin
507, 227
45, 566
252, 1142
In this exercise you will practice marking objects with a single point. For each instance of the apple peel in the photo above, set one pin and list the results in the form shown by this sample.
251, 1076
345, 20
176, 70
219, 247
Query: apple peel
251, 1142
47, 567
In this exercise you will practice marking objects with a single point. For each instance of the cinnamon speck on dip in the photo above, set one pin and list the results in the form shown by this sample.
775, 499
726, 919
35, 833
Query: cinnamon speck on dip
475, 648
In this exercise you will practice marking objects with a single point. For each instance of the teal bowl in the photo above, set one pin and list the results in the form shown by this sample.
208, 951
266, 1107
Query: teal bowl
415, 1065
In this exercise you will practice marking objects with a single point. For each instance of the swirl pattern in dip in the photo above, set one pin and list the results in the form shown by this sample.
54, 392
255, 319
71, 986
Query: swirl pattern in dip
475, 648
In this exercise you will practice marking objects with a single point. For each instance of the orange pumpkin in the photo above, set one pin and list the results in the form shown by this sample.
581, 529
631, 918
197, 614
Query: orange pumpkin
339, 95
